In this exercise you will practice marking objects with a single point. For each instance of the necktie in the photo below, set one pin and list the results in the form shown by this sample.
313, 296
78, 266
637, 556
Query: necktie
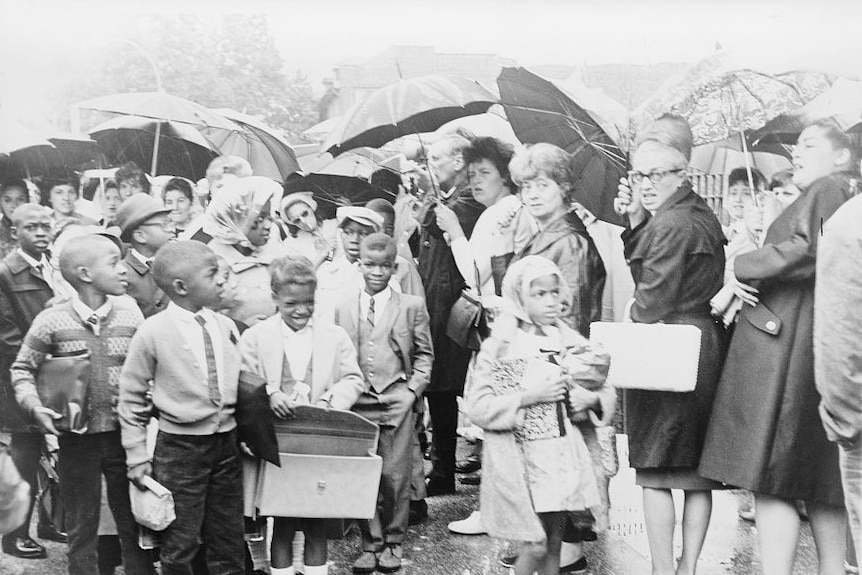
149, 264
212, 374
370, 317
93, 322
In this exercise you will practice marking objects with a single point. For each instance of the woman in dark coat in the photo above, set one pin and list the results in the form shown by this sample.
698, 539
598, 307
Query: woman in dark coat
765, 434
675, 248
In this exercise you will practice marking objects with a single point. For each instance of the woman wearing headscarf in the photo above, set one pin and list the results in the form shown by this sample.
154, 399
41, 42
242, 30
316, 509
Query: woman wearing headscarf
675, 249
765, 434
239, 221
307, 235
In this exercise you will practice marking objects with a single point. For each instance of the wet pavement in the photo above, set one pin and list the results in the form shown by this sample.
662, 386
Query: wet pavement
431, 550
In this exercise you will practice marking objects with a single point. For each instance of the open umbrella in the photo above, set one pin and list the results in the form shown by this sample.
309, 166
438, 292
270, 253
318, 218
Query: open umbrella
333, 191
412, 106
27, 152
544, 111
264, 147
168, 147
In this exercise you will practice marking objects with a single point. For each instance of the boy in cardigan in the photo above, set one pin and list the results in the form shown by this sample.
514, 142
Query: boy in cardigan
187, 358
97, 321
391, 333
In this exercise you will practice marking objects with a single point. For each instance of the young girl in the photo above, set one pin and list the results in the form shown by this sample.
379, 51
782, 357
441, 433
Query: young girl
536, 466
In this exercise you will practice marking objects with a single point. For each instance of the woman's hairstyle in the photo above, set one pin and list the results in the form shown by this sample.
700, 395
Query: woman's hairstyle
234, 165
110, 184
291, 270
180, 184
740, 176
668, 130
496, 151
839, 139
542, 159
14, 184
781, 179
48, 184
130, 172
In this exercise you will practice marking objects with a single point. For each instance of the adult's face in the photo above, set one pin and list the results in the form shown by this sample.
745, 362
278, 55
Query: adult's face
815, 157
129, 188
301, 215
444, 164
112, 203
258, 233
10, 200
662, 169
734, 201
545, 199
487, 184
786, 195
63, 198
180, 206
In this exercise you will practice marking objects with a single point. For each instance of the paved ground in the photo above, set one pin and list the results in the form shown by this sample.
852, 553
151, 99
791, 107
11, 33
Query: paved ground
431, 550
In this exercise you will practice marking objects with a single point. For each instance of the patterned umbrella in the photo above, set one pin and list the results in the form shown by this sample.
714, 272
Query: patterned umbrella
412, 106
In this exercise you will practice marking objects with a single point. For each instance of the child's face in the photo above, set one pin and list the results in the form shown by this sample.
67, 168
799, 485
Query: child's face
377, 267
107, 272
352, 234
295, 303
204, 283
11, 199
544, 302
63, 198
34, 233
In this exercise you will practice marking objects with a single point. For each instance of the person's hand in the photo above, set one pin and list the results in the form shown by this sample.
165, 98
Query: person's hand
245, 449
45, 418
281, 405
447, 220
745, 292
406, 206
548, 390
418, 173
628, 203
581, 399
137, 473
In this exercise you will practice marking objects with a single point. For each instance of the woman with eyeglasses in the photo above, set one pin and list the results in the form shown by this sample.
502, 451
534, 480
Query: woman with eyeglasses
675, 249
307, 235
239, 221
766, 433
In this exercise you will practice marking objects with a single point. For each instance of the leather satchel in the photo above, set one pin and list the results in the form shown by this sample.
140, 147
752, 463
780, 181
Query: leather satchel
467, 325
63, 383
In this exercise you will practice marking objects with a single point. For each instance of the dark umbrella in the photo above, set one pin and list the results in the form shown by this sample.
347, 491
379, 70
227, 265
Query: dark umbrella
333, 191
541, 111
63, 154
412, 106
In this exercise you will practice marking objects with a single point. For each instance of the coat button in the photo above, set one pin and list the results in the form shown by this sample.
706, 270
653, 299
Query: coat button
770, 325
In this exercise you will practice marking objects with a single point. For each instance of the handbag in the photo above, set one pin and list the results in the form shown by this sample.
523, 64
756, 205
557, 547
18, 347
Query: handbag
63, 383
467, 325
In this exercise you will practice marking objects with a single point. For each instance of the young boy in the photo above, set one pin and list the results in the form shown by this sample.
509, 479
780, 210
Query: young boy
145, 225
406, 273
187, 359
25, 289
393, 339
98, 322
302, 362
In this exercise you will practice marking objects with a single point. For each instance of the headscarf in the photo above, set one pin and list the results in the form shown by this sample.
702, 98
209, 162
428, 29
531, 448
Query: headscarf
516, 287
234, 209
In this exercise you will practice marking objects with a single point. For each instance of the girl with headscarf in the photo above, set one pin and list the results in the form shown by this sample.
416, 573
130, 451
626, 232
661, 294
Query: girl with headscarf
239, 221
536, 466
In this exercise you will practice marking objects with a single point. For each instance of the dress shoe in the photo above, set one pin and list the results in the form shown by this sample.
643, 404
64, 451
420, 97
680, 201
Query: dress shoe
418, 512
468, 465
471, 479
470, 526
436, 487
390, 559
365, 563
50, 533
579, 566
23, 547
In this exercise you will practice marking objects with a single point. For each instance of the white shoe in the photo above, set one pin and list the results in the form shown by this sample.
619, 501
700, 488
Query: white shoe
470, 526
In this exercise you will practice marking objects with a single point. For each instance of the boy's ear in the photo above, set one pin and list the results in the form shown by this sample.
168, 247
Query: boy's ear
180, 287
83, 274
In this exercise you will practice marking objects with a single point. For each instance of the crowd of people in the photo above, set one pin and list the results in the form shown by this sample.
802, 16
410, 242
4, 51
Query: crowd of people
163, 301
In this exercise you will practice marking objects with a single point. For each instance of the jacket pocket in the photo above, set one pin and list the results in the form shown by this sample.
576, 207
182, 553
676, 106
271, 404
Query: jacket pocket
763, 319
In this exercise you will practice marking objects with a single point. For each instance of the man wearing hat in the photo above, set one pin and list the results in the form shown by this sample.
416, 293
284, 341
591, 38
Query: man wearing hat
145, 225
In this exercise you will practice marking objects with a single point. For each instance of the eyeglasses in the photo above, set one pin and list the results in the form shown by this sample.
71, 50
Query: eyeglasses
655, 176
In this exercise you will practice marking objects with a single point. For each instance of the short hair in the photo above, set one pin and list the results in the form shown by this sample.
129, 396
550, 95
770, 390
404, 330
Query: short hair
781, 179
130, 172
48, 184
740, 176
379, 242
537, 159
235, 165
496, 151
175, 260
381, 206
181, 185
81, 251
839, 138
110, 184
668, 130
14, 184
24, 211
291, 270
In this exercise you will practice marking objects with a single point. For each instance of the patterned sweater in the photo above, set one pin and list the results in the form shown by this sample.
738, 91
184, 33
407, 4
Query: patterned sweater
60, 330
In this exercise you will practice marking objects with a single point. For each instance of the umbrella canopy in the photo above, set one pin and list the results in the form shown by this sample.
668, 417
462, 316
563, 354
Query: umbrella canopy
724, 94
65, 153
412, 106
158, 106
333, 191
181, 149
264, 147
719, 159
543, 111
358, 163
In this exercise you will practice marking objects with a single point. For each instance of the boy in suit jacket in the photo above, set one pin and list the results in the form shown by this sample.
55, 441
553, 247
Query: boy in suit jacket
187, 359
393, 339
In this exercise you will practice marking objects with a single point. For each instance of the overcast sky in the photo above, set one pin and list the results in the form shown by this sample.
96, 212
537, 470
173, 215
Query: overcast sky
315, 35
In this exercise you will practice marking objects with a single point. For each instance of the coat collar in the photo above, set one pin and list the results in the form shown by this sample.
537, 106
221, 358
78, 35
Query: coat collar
563, 226
140, 267
681, 196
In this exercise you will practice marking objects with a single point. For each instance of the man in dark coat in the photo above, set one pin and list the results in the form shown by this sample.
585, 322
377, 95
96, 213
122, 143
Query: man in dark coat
443, 284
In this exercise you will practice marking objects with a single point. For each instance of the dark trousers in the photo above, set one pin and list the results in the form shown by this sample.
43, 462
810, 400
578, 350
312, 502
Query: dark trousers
83, 461
203, 474
443, 409
26, 448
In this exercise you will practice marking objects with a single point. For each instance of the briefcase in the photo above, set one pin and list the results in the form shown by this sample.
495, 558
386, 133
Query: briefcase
63, 383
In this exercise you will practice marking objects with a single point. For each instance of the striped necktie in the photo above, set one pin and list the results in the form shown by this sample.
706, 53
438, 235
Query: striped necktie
370, 316
212, 373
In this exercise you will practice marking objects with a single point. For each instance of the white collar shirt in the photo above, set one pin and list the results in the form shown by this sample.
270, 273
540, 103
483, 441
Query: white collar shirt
43, 266
140, 257
380, 300
90, 316
190, 330
298, 347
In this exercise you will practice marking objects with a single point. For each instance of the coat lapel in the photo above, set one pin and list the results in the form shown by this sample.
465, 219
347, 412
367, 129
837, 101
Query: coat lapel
272, 353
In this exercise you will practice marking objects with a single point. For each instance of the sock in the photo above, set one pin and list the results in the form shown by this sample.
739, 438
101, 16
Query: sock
259, 556
283, 571
316, 569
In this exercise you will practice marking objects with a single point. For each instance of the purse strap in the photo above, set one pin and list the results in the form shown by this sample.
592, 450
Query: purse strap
478, 285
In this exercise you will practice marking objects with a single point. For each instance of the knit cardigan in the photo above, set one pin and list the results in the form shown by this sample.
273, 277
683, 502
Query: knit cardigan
60, 330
